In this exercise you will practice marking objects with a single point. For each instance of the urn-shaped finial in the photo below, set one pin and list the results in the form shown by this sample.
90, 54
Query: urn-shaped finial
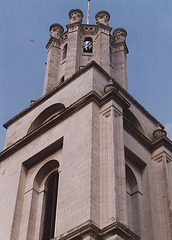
76, 16
119, 35
159, 132
56, 30
110, 87
102, 17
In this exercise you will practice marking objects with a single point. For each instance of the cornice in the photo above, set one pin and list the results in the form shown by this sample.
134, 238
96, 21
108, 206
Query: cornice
92, 64
100, 101
53, 42
89, 227
100, 25
137, 134
121, 47
162, 142
134, 158
51, 93
90, 97
149, 145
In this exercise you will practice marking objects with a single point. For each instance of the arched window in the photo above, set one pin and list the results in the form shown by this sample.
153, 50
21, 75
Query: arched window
64, 51
88, 45
132, 201
40, 201
50, 207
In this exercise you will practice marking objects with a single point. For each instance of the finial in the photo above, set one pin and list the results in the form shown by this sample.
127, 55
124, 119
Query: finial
88, 12
159, 132
56, 30
120, 35
102, 17
75, 16
110, 86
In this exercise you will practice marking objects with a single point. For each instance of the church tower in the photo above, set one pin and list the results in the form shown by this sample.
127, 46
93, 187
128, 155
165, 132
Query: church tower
86, 161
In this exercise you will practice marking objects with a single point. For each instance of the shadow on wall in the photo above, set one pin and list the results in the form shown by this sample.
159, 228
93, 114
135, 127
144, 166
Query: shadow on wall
46, 115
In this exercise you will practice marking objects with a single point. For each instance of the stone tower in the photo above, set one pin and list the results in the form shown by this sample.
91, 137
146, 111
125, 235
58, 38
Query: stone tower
86, 160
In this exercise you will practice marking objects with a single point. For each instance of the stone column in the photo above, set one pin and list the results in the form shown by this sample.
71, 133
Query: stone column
119, 52
102, 42
54, 58
74, 43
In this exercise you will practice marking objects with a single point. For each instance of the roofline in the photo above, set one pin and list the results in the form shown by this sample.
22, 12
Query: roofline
72, 78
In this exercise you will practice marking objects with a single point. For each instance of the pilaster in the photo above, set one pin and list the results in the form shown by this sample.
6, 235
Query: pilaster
74, 42
102, 53
161, 165
112, 169
118, 57
53, 59
73, 50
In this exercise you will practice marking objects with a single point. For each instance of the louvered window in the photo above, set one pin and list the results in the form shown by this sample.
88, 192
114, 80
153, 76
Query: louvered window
88, 45
50, 208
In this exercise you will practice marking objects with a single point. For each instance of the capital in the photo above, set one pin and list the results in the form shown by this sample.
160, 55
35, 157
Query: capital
76, 16
102, 17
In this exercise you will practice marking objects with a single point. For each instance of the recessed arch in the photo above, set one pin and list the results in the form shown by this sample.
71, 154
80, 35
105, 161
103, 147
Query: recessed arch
133, 203
133, 120
131, 180
46, 115
45, 189
50, 206
43, 173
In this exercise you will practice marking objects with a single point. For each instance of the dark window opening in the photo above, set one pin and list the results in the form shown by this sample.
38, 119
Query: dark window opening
50, 207
88, 45
65, 51
62, 79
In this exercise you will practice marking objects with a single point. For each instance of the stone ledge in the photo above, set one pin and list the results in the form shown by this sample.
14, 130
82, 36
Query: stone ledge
89, 227
79, 104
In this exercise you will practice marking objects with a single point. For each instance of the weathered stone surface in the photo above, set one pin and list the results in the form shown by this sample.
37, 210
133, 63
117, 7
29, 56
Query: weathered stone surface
114, 163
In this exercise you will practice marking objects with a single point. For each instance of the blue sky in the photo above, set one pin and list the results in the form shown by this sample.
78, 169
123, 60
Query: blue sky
24, 32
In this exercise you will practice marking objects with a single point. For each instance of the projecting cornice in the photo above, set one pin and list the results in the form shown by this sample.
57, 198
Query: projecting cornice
162, 142
115, 229
92, 64
90, 97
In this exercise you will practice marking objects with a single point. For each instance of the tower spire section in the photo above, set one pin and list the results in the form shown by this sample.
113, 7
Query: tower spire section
88, 12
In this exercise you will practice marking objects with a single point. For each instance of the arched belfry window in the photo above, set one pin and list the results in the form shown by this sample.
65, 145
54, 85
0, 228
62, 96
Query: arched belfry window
65, 51
50, 207
88, 45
